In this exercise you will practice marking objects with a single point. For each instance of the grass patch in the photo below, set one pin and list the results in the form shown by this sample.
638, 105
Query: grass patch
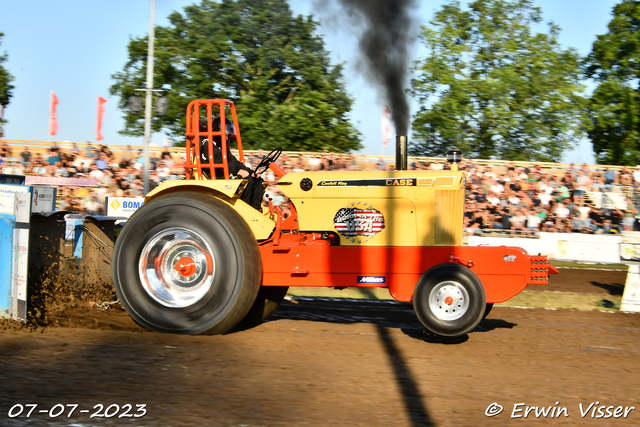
575, 264
565, 300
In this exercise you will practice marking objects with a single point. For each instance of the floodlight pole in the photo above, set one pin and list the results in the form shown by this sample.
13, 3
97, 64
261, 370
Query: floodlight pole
149, 90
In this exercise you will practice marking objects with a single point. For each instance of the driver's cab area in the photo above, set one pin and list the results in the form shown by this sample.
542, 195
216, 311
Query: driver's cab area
212, 126
202, 138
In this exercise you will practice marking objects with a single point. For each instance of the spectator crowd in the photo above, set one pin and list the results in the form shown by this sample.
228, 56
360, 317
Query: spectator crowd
517, 200
529, 200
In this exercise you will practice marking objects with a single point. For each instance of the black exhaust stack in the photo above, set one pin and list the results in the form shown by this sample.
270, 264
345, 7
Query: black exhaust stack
401, 153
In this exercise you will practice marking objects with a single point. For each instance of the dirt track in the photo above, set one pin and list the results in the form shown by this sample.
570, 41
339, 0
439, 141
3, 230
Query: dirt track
332, 363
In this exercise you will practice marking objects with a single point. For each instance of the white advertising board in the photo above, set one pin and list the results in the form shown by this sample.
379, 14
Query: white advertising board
630, 251
44, 199
576, 247
584, 247
123, 207
7, 203
20, 257
24, 199
532, 246
631, 294
12, 188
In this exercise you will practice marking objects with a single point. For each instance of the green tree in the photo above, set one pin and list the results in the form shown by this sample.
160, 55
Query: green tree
5, 79
255, 53
493, 87
614, 107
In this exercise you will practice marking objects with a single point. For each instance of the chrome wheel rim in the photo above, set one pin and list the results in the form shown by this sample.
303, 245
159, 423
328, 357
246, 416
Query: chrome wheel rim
449, 300
176, 267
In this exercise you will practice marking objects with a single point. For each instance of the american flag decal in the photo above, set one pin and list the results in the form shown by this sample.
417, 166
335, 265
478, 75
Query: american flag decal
358, 222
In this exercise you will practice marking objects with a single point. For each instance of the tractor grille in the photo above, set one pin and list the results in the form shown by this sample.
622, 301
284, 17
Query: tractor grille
539, 270
448, 217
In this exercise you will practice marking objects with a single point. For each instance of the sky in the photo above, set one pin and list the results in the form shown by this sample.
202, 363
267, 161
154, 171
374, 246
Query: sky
73, 47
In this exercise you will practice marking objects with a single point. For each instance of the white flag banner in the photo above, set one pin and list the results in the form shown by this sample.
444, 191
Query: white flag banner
386, 128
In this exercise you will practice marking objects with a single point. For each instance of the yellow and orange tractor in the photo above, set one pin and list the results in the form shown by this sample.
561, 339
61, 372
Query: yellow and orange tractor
197, 259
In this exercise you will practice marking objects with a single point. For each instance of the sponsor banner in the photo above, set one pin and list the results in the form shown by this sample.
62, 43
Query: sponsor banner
123, 207
16, 263
44, 199
372, 279
21, 256
58, 181
27, 199
7, 224
7, 203
630, 251
10, 188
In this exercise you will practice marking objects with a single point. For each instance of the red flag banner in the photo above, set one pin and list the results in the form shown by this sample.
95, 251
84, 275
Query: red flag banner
101, 102
53, 116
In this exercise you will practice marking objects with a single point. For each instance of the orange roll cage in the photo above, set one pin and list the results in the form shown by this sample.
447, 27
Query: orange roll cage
193, 165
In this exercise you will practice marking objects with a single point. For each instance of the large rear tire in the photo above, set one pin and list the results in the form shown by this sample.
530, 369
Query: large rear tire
186, 263
487, 309
449, 300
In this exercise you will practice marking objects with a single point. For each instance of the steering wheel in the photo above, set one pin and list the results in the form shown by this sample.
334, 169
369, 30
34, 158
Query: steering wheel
267, 160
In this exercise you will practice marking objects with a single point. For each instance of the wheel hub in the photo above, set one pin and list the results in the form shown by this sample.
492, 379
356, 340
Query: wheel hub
186, 266
176, 267
449, 300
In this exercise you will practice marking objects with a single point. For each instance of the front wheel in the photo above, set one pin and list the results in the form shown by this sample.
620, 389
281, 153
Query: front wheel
186, 263
449, 300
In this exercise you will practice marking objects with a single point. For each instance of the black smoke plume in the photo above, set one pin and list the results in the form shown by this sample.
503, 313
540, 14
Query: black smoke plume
387, 31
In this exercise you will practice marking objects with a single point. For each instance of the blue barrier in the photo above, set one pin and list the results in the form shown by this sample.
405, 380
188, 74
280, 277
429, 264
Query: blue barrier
77, 238
73, 233
7, 225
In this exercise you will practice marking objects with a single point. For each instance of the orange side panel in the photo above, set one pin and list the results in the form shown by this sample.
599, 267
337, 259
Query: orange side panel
502, 287
504, 271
